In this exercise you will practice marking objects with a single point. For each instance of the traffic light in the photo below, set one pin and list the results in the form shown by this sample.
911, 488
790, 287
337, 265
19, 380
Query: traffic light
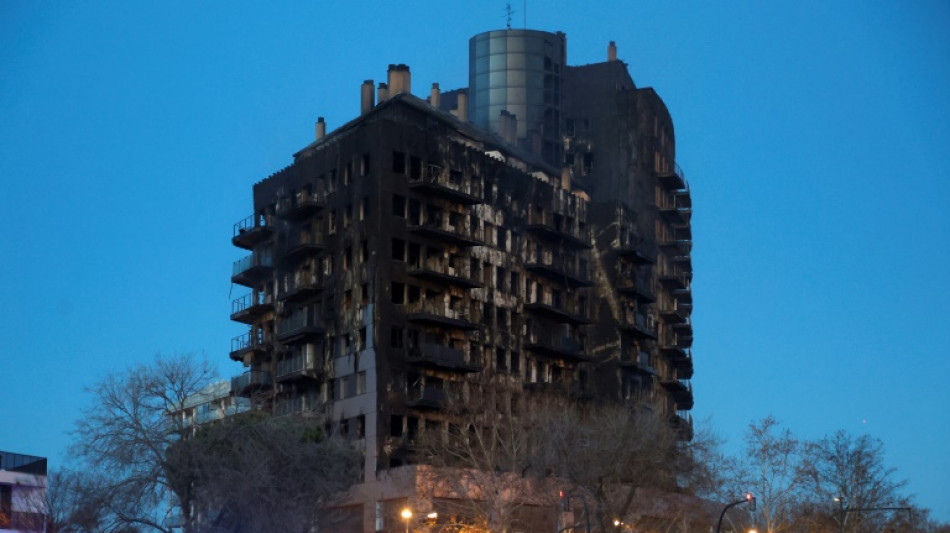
751, 499
565, 500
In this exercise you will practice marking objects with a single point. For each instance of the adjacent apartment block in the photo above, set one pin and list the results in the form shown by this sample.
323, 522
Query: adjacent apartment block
22, 492
533, 225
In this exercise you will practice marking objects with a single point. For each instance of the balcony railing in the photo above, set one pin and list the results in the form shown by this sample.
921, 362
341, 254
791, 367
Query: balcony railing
639, 286
638, 324
249, 270
426, 398
301, 205
673, 179
302, 324
250, 382
561, 309
252, 341
299, 366
438, 313
559, 268
445, 272
459, 233
554, 226
301, 285
303, 243
250, 307
434, 355
250, 231
552, 343
453, 186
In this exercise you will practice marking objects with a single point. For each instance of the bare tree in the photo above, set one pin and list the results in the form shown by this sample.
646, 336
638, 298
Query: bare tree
255, 473
849, 482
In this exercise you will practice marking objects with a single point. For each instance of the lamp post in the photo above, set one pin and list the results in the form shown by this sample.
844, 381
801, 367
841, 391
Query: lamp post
406, 515
749, 498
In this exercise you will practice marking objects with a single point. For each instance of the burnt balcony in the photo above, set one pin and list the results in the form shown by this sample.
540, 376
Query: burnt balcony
560, 269
557, 308
298, 367
681, 390
674, 245
301, 244
672, 179
677, 216
426, 399
301, 285
638, 363
440, 357
438, 313
554, 343
450, 185
252, 269
250, 343
251, 231
637, 325
555, 228
674, 281
672, 313
250, 382
301, 206
458, 233
640, 287
682, 423
634, 253
301, 325
445, 273
251, 307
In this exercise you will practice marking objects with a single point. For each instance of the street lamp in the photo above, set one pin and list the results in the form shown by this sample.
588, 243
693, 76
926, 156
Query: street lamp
749, 498
406, 515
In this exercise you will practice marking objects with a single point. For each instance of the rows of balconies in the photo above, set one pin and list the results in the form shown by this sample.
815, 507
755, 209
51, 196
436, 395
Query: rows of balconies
681, 390
442, 271
452, 186
672, 179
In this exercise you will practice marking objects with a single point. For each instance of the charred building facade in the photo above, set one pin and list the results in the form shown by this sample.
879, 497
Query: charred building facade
533, 226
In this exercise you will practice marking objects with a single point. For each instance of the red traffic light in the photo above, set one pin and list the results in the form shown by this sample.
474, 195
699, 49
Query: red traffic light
749, 497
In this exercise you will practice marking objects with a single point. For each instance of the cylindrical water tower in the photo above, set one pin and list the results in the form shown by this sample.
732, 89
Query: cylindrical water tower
519, 71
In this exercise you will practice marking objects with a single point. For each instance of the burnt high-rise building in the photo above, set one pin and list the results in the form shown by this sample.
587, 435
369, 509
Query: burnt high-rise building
533, 225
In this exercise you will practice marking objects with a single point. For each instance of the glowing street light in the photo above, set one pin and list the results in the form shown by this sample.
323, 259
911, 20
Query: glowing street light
749, 498
406, 515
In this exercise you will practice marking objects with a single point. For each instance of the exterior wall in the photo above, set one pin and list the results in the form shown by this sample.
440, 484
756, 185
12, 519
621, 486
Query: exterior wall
408, 255
22, 492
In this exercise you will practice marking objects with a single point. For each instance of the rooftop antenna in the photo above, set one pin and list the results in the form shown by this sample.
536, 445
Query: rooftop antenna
508, 14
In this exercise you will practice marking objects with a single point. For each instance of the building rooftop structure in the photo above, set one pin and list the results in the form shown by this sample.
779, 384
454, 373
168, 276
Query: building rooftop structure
22, 492
532, 228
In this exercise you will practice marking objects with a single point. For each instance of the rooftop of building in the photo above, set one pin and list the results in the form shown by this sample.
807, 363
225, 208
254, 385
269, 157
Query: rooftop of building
27, 464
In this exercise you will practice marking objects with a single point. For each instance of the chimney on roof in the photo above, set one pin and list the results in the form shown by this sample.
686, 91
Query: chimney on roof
366, 97
612, 51
461, 107
321, 128
399, 79
435, 96
382, 92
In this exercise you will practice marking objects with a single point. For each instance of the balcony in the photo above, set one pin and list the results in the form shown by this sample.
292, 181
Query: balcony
440, 229
557, 309
552, 343
251, 307
440, 357
250, 343
675, 281
673, 246
252, 269
251, 231
554, 227
250, 382
438, 313
681, 390
634, 254
638, 363
302, 244
297, 404
560, 269
673, 180
672, 313
683, 425
301, 206
298, 367
677, 216
300, 326
637, 325
302, 285
451, 186
641, 288
445, 273
427, 399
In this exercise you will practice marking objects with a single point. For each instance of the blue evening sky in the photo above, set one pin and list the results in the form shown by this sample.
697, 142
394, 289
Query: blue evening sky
815, 137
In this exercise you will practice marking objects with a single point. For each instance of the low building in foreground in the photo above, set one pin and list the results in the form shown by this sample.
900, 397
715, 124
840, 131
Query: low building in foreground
22, 492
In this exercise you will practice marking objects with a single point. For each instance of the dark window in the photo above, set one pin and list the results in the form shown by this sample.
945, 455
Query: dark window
395, 426
399, 206
395, 337
364, 164
399, 162
500, 363
399, 250
398, 290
